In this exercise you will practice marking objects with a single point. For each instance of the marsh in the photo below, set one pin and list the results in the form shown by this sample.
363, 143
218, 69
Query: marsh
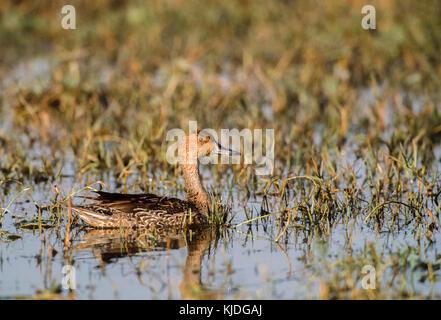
356, 116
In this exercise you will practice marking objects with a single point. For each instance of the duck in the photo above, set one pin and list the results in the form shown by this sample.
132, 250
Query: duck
150, 211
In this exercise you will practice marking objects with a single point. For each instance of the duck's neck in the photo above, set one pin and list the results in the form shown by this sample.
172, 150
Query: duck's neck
195, 191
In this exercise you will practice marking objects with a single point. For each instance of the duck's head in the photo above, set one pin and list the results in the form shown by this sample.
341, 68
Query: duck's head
200, 144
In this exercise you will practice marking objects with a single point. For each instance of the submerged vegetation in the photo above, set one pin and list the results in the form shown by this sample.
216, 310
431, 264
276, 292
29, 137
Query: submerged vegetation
356, 116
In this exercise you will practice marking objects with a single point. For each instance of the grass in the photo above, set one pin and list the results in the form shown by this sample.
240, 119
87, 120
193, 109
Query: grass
356, 116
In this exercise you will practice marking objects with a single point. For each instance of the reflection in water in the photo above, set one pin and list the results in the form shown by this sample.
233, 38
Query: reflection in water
108, 245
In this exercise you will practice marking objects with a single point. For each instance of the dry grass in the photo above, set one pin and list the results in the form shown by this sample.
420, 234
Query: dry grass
356, 113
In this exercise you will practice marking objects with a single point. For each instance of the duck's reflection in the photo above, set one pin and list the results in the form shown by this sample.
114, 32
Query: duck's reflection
110, 244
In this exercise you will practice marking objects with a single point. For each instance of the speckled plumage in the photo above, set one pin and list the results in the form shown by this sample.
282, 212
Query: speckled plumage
113, 210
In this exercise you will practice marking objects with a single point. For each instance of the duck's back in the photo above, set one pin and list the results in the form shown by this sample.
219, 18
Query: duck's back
114, 210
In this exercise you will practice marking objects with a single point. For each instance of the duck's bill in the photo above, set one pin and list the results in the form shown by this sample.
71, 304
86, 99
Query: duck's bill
219, 149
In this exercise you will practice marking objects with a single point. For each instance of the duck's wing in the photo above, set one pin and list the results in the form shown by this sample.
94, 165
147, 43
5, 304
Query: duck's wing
131, 203
116, 209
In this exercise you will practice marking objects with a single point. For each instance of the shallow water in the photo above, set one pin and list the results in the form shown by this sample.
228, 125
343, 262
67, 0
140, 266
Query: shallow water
245, 263
242, 262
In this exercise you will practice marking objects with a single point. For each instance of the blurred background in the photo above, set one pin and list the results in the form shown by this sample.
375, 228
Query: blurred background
137, 68
356, 114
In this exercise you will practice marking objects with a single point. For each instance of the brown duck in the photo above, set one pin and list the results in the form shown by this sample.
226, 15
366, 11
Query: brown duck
115, 210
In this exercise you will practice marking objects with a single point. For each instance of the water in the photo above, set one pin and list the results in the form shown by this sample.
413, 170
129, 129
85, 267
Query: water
242, 262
